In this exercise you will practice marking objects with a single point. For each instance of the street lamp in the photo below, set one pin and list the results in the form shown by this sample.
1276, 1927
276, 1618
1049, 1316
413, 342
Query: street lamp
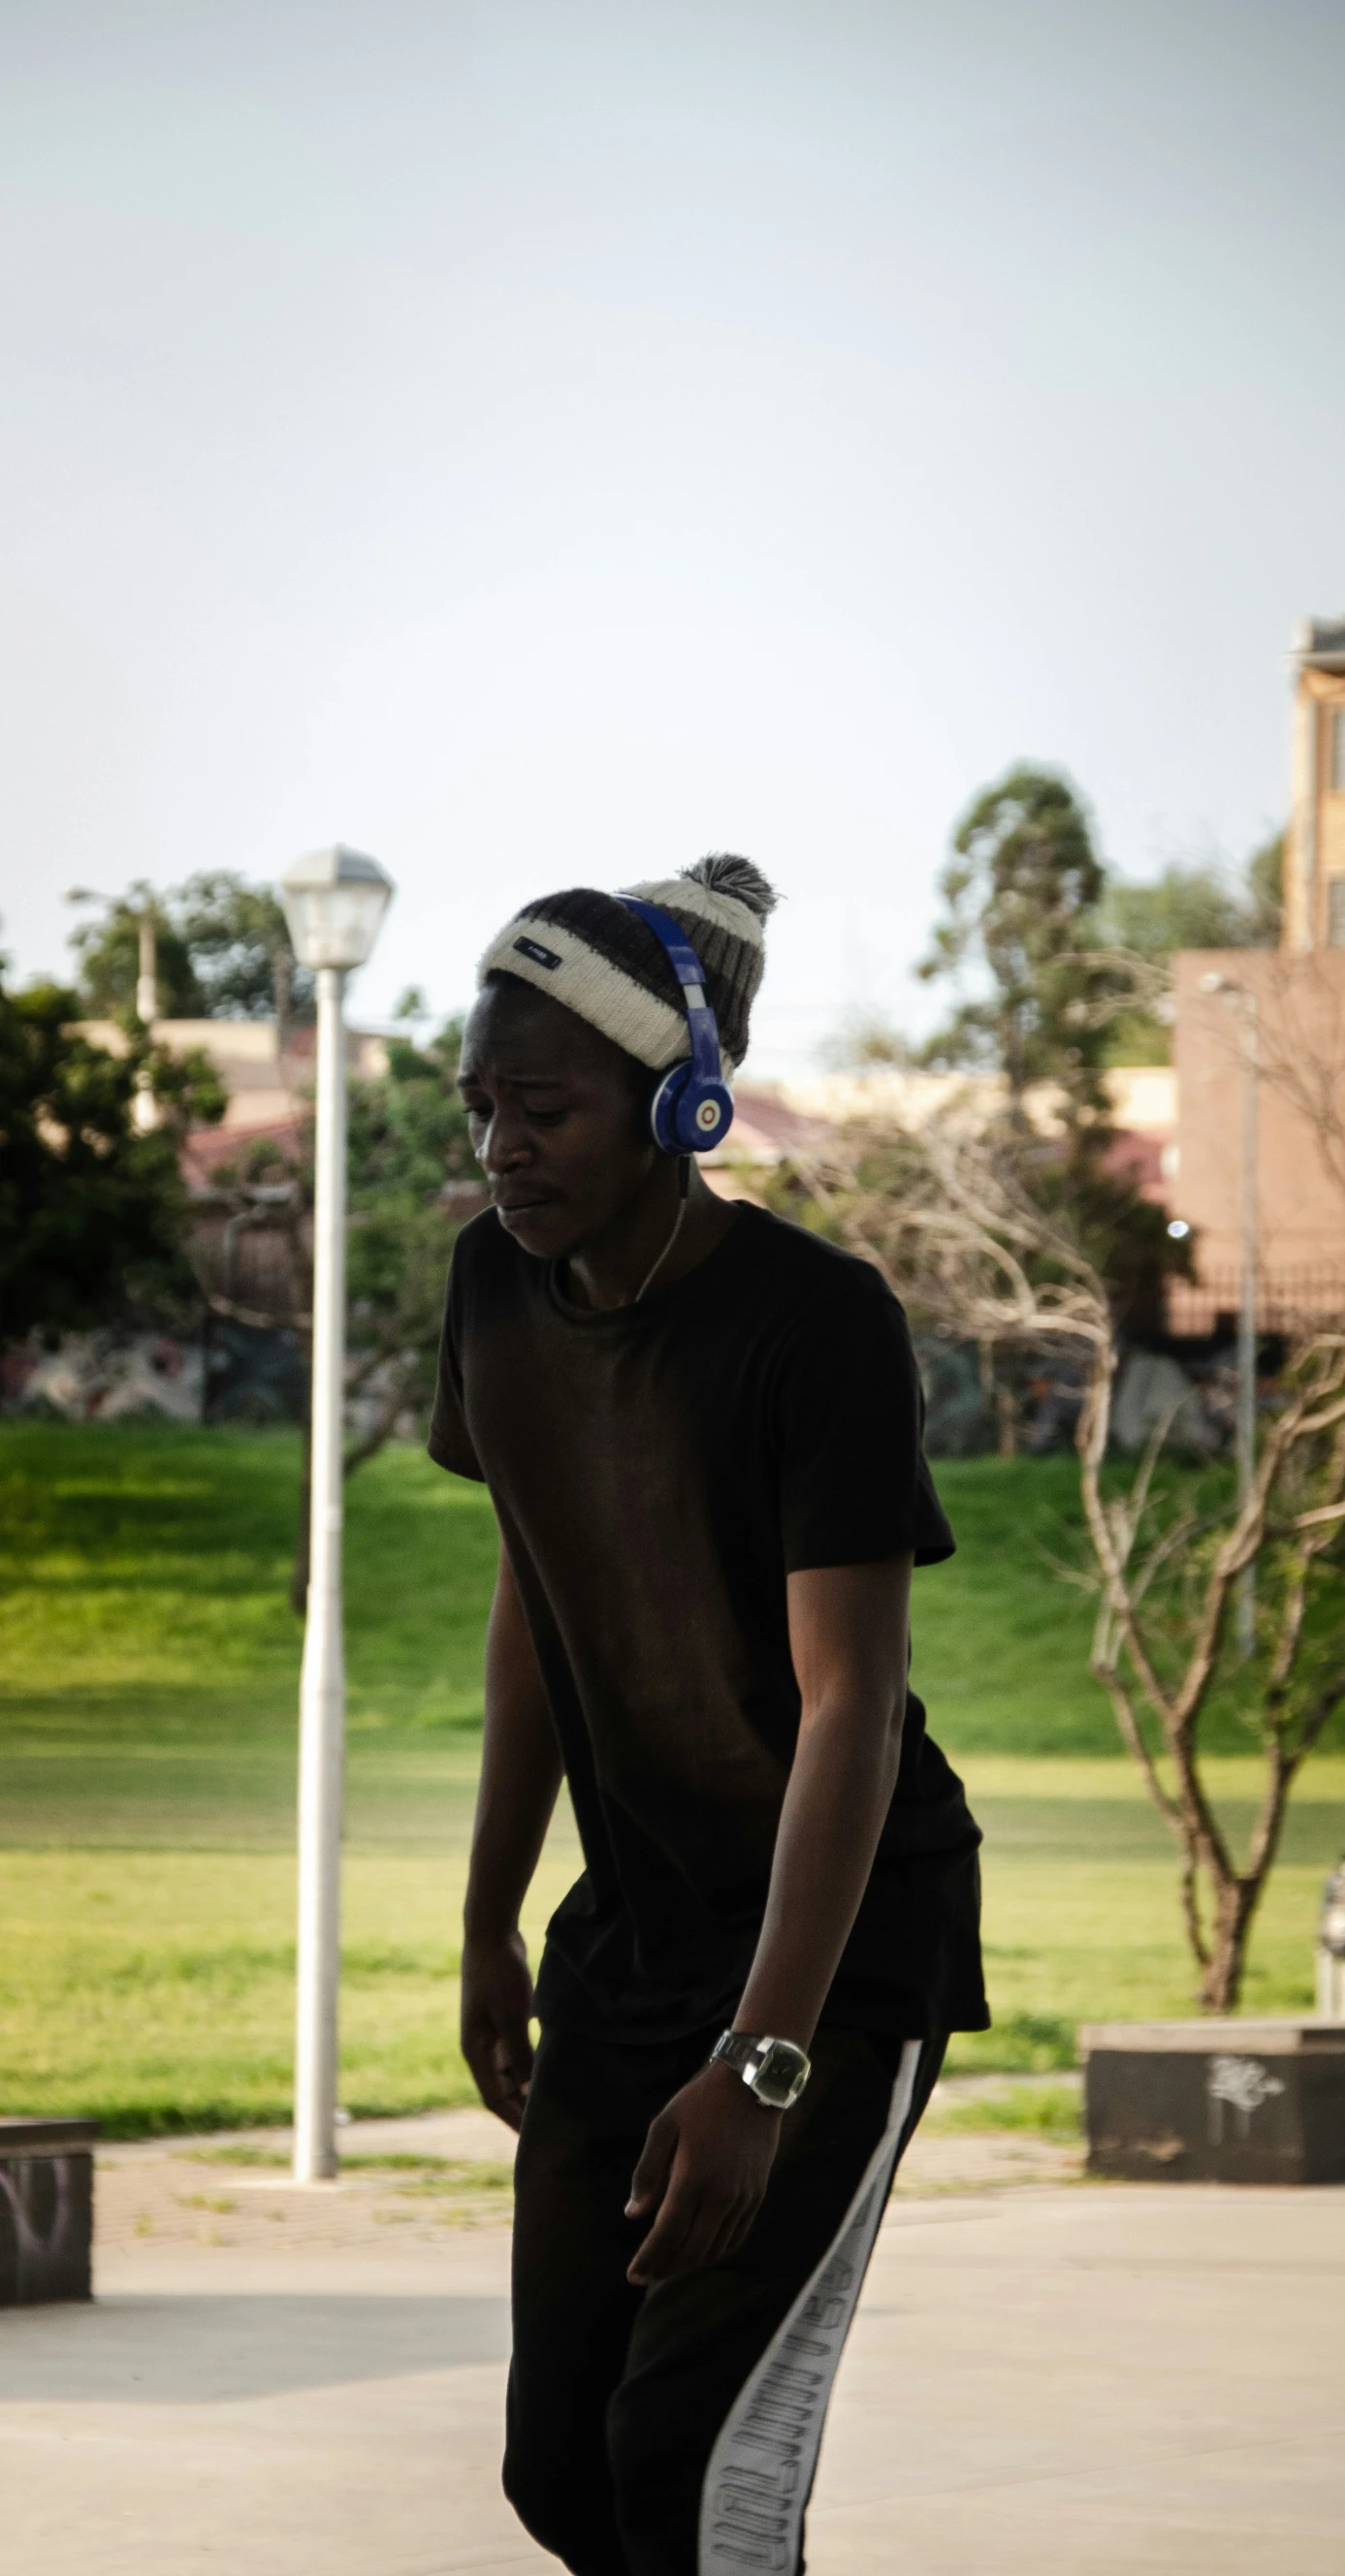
147, 976
334, 903
1244, 1003
144, 1111
1331, 1948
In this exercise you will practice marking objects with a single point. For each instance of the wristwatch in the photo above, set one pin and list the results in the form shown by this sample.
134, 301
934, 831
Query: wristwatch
774, 2069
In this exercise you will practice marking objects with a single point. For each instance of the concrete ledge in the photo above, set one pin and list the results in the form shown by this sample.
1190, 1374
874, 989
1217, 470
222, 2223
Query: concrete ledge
46, 2211
1215, 2101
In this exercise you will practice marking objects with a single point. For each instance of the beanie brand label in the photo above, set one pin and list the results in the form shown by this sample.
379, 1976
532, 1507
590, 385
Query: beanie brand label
540, 956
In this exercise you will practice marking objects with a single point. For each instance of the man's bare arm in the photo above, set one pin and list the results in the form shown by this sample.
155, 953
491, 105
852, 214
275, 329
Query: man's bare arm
708, 2156
848, 1627
520, 1779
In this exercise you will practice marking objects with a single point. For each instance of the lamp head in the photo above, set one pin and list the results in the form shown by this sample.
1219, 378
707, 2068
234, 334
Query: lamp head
334, 904
1331, 1927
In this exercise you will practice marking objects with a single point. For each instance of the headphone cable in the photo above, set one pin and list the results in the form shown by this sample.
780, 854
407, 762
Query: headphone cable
650, 1276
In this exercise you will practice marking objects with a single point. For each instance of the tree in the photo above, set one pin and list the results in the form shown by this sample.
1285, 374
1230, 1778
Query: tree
93, 1212
1165, 1651
107, 946
1188, 907
222, 952
1022, 889
1199, 907
411, 1177
954, 1219
239, 943
1265, 893
410, 1184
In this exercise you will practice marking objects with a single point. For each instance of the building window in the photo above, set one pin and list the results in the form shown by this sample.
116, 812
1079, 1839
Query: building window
1338, 749
1335, 912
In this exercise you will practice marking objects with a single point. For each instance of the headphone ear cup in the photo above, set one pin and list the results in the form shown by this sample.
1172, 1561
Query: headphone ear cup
704, 1116
687, 1116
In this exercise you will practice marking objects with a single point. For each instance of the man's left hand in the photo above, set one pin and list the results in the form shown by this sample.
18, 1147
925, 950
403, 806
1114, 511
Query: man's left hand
705, 2167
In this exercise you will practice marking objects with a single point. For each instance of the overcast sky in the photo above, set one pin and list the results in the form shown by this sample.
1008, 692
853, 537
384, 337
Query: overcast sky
541, 441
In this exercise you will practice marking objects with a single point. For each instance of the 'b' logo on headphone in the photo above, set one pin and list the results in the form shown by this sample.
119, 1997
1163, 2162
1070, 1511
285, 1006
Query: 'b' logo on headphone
707, 1117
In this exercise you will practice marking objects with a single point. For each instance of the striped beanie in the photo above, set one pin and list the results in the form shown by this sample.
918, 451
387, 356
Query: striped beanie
606, 965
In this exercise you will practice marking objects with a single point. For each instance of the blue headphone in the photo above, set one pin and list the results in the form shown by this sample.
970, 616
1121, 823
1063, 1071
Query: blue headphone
692, 1108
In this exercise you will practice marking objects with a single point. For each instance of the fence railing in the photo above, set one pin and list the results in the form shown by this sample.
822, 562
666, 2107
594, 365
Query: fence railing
1288, 1300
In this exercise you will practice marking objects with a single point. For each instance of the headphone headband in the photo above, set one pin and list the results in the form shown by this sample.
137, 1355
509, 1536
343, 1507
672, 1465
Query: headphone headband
692, 1108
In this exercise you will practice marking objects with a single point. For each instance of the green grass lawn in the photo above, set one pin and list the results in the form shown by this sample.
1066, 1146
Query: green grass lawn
148, 1679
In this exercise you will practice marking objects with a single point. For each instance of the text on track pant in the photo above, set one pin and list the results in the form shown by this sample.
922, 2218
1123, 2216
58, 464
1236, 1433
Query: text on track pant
675, 2431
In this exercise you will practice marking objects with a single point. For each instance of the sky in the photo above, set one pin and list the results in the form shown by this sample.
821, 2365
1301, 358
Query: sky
538, 442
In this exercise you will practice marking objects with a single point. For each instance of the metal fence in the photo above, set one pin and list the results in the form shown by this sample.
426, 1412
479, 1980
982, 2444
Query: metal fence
1288, 1300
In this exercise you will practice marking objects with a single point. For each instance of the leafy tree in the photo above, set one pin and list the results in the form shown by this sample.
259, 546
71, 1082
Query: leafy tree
1024, 893
107, 946
1265, 892
93, 1212
1188, 907
222, 952
409, 1153
410, 1184
1022, 889
1183, 908
239, 944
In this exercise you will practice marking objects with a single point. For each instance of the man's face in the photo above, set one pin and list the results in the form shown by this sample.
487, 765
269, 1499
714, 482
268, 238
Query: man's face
558, 1117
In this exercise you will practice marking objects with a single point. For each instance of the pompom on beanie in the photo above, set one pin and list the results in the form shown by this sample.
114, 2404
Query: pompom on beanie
606, 965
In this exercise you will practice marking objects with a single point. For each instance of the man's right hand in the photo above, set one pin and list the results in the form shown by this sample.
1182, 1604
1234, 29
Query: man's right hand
496, 2012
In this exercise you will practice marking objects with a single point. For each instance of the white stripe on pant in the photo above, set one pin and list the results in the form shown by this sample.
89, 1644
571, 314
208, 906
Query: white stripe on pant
762, 2466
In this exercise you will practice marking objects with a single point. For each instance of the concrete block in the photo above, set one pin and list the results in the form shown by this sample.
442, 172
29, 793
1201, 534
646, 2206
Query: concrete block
1215, 2101
46, 2211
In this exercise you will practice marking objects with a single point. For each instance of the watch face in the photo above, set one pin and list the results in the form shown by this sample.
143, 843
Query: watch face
781, 2076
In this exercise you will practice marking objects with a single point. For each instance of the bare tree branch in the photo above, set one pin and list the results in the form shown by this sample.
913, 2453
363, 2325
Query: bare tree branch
951, 1221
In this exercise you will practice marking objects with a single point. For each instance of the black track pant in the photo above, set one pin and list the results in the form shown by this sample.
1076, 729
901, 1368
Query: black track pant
675, 2431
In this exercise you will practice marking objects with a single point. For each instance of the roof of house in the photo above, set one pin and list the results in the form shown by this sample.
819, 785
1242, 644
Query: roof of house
1320, 643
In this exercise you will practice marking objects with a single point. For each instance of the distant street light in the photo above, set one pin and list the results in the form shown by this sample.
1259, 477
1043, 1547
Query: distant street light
147, 978
334, 903
144, 1109
1331, 1948
1244, 1003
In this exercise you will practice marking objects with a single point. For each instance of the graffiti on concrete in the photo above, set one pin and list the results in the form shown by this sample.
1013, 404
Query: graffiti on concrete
46, 2205
107, 1376
1239, 2085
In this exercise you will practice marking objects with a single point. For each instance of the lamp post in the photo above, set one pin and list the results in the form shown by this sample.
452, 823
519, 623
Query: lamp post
1244, 1002
334, 903
1331, 1948
143, 1111
147, 976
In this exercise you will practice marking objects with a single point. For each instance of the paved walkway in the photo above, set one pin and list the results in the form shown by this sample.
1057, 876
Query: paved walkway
1045, 2376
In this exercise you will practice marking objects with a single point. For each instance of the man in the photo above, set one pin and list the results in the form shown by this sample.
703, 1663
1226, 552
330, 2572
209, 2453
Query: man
700, 1427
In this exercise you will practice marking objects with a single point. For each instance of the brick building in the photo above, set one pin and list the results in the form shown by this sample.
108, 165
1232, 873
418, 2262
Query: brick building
1314, 858
1295, 996
1299, 1005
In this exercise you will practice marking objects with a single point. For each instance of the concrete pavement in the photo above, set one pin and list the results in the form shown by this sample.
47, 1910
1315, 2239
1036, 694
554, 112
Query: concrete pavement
1043, 2376
1094, 2382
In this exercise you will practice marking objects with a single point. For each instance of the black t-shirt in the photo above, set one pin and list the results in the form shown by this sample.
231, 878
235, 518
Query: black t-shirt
658, 1471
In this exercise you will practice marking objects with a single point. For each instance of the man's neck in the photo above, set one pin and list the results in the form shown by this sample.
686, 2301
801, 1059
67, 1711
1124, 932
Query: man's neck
612, 1271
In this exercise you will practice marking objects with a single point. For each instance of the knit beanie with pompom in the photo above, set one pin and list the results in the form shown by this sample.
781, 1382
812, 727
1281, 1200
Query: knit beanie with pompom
607, 966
